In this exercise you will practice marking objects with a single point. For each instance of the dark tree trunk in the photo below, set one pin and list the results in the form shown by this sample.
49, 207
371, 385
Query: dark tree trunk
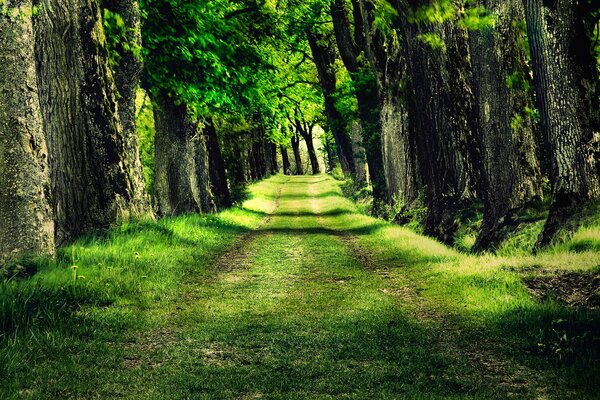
398, 147
566, 82
508, 163
324, 57
26, 226
258, 158
296, 147
127, 79
351, 48
312, 155
182, 182
237, 165
360, 157
268, 149
216, 167
274, 166
90, 185
307, 134
285, 160
441, 109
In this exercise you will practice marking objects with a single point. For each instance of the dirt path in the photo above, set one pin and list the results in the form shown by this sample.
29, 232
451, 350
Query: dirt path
300, 309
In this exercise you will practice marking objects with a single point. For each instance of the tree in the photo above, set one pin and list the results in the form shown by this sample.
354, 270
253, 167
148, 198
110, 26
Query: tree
91, 188
123, 26
182, 181
388, 59
507, 155
352, 47
324, 56
26, 225
216, 166
567, 88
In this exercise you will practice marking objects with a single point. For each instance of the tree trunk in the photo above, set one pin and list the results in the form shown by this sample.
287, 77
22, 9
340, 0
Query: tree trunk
216, 167
360, 157
274, 166
398, 144
237, 164
324, 58
441, 109
508, 163
258, 159
297, 158
182, 182
351, 48
566, 82
26, 226
307, 134
127, 79
285, 160
90, 185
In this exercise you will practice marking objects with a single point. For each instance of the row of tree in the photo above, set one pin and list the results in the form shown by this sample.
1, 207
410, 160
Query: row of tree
452, 103
460, 103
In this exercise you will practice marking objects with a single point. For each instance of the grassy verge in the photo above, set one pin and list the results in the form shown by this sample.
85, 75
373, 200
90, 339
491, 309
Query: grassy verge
320, 302
81, 307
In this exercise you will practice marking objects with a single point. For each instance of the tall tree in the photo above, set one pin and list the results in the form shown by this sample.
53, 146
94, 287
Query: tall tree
387, 56
216, 166
182, 181
295, 139
324, 56
90, 185
352, 46
441, 110
26, 225
508, 163
285, 160
567, 88
125, 40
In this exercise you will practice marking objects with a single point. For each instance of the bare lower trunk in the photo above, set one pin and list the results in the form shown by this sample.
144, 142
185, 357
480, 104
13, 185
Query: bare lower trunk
398, 149
351, 44
508, 163
285, 160
441, 109
26, 226
216, 167
182, 182
90, 185
566, 82
274, 166
324, 57
127, 79
297, 158
360, 157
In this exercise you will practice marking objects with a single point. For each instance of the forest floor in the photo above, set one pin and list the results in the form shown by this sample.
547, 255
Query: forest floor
299, 296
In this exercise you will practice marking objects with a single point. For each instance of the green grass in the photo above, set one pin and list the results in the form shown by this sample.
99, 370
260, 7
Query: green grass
318, 302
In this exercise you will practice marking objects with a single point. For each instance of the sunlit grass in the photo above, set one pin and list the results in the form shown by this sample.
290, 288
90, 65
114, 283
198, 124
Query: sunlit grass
295, 314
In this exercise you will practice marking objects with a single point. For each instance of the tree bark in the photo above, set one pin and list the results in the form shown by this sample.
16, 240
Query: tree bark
567, 87
216, 167
127, 79
26, 225
307, 134
441, 109
508, 163
90, 185
274, 166
324, 57
360, 157
182, 181
388, 60
258, 158
352, 47
285, 160
297, 158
